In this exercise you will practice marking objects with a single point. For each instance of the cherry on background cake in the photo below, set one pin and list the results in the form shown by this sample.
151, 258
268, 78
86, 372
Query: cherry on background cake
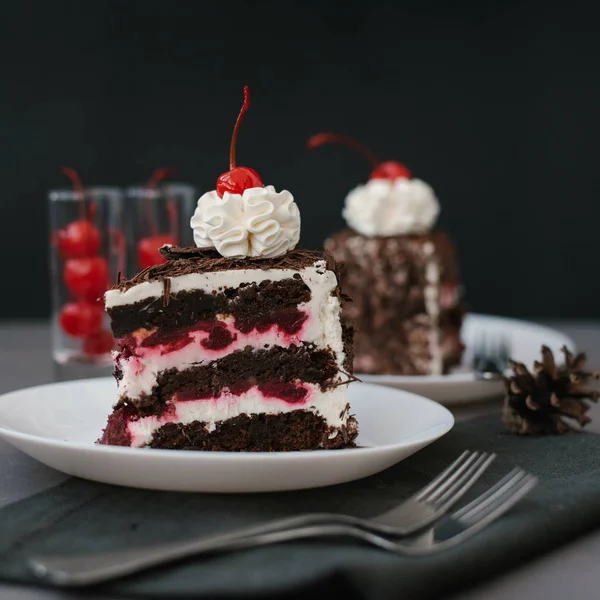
235, 344
402, 274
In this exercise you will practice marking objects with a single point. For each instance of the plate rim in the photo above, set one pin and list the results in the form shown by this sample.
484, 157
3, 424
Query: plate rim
446, 426
452, 378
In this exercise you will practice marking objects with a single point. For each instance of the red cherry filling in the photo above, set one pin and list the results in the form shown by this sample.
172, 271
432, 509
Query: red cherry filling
98, 343
238, 179
79, 319
390, 169
283, 391
87, 278
147, 248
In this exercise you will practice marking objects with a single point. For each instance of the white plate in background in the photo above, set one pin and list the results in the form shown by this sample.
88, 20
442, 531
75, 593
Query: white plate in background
524, 339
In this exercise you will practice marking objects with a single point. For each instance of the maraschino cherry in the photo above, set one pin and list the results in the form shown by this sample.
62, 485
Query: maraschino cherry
87, 278
238, 179
389, 169
81, 237
148, 247
80, 319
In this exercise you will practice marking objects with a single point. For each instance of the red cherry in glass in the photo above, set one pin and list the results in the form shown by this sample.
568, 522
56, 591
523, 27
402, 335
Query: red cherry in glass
77, 239
147, 250
87, 278
238, 179
390, 169
98, 343
81, 237
79, 319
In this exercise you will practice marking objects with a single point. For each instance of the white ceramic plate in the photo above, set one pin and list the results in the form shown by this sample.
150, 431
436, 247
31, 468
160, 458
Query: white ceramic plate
524, 339
57, 424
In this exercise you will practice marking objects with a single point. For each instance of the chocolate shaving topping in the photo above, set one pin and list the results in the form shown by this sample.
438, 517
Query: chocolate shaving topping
344, 432
345, 410
183, 261
166, 291
351, 378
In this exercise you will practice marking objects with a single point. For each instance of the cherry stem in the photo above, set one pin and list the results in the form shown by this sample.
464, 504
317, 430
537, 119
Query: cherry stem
333, 138
155, 179
71, 173
117, 240
236, 129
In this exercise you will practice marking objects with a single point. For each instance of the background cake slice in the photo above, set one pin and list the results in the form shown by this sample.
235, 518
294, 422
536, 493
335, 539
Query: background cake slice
402, 274
236, 344
406, 306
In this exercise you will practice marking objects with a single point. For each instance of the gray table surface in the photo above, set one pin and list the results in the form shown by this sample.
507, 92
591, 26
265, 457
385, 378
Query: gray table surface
571, 571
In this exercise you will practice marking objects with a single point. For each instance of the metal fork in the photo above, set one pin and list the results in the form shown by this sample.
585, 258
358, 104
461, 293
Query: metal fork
449, 532
420, 510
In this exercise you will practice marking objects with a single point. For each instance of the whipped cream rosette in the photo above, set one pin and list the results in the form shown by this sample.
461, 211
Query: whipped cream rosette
257, 222
386, 207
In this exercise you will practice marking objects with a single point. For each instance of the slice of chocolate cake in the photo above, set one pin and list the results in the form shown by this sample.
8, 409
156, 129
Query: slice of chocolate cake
235, 345
406, 303
402, 275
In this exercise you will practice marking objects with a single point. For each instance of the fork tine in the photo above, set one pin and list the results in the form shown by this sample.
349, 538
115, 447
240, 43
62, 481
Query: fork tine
490, 495
464, 483
502, 502
466, 468
465, 458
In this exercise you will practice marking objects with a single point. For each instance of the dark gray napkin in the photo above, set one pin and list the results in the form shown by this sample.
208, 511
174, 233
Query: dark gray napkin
80, 516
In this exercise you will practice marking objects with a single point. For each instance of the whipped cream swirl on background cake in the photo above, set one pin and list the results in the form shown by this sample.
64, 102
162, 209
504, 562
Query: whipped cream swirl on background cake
384, 207
259, 222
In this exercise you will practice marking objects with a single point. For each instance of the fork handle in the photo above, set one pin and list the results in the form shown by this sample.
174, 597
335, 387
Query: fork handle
99, 567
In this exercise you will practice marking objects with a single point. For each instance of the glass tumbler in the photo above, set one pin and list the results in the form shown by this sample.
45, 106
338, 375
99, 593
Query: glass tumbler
157, 216
88, 251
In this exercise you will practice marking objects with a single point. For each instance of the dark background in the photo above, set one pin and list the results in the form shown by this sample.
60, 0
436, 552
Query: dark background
496, 105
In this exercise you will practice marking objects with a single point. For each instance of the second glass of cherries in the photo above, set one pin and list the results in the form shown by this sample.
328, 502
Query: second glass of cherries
158, 213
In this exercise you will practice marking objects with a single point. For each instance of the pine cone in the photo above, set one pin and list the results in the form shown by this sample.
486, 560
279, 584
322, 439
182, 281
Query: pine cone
537, 404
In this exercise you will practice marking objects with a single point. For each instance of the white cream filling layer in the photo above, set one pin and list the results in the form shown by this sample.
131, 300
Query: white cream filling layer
331, 405
432, 306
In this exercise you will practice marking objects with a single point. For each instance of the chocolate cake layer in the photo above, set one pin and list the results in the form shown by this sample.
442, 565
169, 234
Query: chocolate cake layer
239, 371
348, 342
183, 261
296, 430
249, 304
